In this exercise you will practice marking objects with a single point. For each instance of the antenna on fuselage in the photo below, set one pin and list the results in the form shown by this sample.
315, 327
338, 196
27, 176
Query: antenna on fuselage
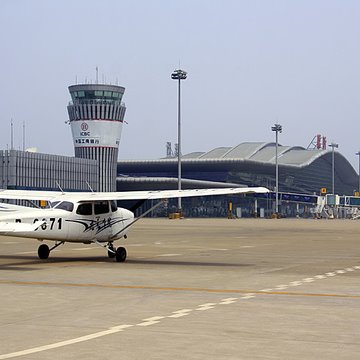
58, 185
91, 189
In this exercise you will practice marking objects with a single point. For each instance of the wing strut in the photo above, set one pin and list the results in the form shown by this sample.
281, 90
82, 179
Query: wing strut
140, 217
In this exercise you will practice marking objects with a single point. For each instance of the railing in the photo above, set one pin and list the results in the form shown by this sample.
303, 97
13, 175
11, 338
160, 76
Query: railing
96, 101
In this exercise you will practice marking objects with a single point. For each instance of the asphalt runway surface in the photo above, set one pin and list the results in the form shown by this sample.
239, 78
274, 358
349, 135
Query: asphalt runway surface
190, 289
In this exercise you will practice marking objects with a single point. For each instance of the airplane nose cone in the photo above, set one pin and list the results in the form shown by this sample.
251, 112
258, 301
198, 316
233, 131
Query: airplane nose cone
128, 215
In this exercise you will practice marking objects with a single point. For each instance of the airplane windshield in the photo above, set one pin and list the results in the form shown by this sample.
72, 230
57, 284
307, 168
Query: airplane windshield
66, 205
54, 203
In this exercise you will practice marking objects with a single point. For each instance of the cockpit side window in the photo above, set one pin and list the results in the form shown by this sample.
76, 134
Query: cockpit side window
101, 207
113, 206
66, 205
84, 209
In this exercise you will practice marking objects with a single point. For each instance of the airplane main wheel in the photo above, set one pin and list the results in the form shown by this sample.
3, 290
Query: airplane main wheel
43, 251
120, 254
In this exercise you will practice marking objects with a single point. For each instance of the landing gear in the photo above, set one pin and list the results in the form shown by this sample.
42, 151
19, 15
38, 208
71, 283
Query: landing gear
120, 254
111, 251
43, 251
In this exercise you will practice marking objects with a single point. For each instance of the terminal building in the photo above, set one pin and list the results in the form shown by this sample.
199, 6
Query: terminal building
301, 171
25, 170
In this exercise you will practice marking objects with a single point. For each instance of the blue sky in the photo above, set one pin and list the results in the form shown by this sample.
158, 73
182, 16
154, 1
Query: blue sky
250, 64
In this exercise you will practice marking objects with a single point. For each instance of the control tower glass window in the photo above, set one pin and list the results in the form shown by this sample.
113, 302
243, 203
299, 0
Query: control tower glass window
97, 95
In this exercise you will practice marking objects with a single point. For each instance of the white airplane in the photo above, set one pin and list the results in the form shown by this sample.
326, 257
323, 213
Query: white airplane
85, 217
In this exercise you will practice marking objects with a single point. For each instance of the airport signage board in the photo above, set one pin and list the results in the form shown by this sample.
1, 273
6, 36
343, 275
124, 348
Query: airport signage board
96, 133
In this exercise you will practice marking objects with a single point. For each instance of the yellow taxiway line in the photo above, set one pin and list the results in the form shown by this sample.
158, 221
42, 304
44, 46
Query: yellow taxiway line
161, 288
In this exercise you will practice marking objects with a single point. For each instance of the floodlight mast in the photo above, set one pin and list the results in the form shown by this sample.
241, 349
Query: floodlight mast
179, 75
277, 128
358, 154
333, 146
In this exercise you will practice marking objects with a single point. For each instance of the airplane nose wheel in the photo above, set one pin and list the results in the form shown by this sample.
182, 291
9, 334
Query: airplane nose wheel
111, 251
120, 254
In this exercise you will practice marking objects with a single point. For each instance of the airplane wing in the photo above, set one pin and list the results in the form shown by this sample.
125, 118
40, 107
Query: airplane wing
169, 194
7, 227
30, 195
125, 195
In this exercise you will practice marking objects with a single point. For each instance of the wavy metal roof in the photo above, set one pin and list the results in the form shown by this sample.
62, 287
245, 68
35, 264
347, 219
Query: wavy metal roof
216, 153
254, 152
262, 152
252, 163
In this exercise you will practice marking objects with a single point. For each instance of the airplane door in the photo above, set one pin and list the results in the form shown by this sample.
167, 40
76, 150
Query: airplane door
93, 221
103, 217
83, 226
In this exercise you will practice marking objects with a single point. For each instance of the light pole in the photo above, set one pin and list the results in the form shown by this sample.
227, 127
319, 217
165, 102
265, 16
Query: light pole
179, 75
277, 128
358, 154
333, 146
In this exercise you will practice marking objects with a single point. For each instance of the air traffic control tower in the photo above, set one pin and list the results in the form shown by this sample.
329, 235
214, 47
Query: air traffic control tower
96, 116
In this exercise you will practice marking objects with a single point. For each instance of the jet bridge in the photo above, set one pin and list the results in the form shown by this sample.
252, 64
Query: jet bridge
329, 205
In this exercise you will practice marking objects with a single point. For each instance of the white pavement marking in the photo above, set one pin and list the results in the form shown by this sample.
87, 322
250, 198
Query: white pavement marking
349, 269
340, 271
281, 287
228, 301
319, 277
34, 350
248, 296
308, 280
121, 327
266, 290
180, 313
296, 283
357, 267
206, 306
169, 255
151, 321
85, 248
330, 274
